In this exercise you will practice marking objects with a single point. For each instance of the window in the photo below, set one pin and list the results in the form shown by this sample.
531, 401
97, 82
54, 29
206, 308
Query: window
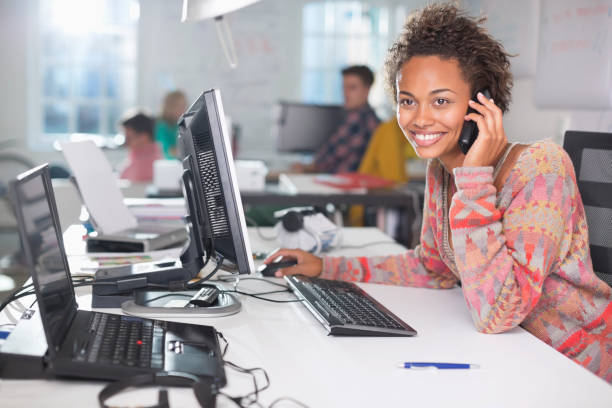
338, 34
85, 67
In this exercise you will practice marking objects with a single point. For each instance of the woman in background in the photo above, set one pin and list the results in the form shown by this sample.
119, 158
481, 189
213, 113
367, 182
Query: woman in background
166, 127
504, 220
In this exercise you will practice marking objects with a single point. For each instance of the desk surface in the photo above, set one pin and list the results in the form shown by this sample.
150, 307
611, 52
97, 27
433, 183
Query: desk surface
517, 370
301, 189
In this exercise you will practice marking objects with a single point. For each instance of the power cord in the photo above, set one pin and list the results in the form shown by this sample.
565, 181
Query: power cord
257, 296
230, 279
252, 398
258, 229
205, 389
293, 400
79, 280
260, 294
28, 289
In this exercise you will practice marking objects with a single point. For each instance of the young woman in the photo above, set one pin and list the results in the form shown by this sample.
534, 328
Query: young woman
166, 127
505, 220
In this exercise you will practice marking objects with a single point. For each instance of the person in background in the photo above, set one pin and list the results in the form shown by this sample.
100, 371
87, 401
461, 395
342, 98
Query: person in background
385, 157
387, 153
166, 127
345, 148
504, 220
143, 150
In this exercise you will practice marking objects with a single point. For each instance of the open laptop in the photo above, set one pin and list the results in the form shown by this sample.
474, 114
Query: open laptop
91, 344
116, 228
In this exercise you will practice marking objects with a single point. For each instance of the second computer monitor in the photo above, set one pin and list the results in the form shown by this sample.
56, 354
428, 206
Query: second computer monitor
303, 128
207, 157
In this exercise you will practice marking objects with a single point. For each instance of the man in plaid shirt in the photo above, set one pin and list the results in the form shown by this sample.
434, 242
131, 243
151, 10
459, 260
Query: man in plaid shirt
345, 148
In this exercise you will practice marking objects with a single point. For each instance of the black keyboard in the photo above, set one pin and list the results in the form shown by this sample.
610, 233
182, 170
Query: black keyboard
125, 340
345, 309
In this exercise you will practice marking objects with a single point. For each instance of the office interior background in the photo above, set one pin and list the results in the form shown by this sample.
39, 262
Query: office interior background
73, 66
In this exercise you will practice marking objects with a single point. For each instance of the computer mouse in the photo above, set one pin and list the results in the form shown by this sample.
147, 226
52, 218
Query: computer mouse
272, 267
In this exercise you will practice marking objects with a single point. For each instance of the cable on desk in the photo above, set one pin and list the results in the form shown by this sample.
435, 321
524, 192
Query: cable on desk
293, 400
81, 280
257, 296
14, 296
222, 337
230, 279
257, 228
166, 295
251, 399
207, 277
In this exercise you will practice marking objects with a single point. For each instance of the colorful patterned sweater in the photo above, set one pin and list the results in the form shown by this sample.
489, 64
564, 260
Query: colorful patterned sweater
521, 254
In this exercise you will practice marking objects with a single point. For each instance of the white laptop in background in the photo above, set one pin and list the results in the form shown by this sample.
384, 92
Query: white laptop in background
117, 229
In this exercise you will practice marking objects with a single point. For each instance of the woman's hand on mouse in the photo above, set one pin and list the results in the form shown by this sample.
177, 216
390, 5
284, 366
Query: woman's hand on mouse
307, 263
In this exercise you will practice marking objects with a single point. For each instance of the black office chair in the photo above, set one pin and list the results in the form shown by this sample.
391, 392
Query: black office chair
591, 154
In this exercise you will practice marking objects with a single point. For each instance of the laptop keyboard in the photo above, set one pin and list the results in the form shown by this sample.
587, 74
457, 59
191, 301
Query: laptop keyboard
125, 340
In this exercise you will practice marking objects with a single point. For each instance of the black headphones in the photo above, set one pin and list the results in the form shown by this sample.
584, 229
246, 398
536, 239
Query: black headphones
293, 220
205, 391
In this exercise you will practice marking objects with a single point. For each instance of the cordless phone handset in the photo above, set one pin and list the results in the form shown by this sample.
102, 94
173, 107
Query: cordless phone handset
469, 132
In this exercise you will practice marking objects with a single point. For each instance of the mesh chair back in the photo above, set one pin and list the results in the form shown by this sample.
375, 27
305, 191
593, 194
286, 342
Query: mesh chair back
591, 154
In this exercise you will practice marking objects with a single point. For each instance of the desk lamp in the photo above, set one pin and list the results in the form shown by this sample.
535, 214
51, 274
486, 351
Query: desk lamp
194, 10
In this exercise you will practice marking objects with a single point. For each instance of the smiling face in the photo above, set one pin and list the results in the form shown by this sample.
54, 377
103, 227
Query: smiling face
432, 100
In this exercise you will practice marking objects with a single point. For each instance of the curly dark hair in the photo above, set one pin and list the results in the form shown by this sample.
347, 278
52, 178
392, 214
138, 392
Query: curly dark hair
444, 30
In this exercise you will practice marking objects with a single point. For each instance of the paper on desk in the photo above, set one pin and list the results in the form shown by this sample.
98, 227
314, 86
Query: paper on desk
94, 261
98, 186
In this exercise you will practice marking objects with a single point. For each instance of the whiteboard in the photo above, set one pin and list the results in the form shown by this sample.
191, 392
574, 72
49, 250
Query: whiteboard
515, 25
574, 67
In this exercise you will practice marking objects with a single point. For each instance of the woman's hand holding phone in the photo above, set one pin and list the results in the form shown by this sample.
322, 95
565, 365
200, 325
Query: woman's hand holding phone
491, 140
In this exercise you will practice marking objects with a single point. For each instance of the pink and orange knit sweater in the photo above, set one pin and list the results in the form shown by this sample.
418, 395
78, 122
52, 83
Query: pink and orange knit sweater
521, 254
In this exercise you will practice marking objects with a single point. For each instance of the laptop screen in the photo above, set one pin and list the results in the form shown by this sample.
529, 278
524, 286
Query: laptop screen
41, 239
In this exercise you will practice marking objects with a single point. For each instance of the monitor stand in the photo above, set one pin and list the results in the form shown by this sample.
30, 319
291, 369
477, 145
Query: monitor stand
113, 286
163, 303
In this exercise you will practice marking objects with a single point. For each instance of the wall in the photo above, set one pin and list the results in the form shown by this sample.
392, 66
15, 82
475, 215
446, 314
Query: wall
13, 72
189, 56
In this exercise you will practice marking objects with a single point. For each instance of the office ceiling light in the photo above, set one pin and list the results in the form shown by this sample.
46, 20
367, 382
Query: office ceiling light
195, 10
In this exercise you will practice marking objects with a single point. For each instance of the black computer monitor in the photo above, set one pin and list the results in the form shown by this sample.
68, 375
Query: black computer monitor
303, 127
209, 181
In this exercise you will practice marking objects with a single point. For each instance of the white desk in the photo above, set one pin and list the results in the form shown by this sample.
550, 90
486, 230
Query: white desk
517, 370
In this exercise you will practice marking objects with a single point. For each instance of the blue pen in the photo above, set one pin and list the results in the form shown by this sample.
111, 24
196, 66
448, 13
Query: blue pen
440, 366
